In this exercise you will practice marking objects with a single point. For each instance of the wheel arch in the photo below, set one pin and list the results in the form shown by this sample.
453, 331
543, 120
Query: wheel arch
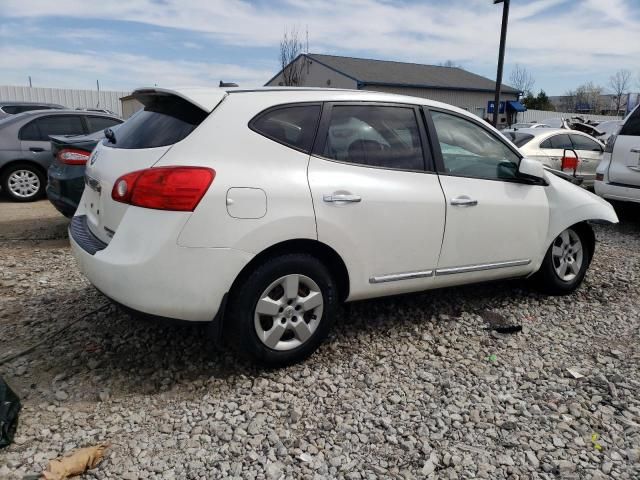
321, 251
18, 161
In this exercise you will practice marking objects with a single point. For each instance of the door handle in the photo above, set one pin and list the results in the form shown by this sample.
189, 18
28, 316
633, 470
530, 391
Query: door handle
342, 197
36, 149
635, 150
635, 169
463, 201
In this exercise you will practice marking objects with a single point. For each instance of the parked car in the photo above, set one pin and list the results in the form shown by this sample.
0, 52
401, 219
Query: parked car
12, 108
66, 173
560, 149
207, 205
618, 175
518, 126
608, 128
25, 148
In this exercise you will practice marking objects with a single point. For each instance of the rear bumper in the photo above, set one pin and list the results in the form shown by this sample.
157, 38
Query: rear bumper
145, 270
612, 191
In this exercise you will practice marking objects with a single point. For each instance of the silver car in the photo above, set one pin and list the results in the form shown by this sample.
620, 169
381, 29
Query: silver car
25, 148
561, 149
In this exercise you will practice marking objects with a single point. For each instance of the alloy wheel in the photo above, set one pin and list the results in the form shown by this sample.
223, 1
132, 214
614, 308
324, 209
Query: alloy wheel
288, 312
567, 255
23, 183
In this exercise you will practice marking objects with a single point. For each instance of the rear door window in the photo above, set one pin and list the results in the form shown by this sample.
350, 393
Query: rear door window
294, 126
557, 142
100, 123
164, 120
585, 143
60, 125
375, 136
30, 131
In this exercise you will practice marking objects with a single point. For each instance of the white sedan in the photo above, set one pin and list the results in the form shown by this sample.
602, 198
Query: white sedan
263, 210
560, 149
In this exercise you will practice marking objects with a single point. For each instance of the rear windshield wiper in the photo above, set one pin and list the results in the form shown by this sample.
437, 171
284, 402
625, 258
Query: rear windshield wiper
110, 135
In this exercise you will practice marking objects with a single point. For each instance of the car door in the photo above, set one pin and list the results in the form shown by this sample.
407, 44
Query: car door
496, 222
554, 147
377, 200
589, 152
625, 157
34, 136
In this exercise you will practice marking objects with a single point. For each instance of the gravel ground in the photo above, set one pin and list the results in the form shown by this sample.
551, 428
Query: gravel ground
408, 387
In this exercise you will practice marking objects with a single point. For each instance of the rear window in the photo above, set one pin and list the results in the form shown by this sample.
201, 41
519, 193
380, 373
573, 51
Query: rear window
518, 139
41, 128
165, 120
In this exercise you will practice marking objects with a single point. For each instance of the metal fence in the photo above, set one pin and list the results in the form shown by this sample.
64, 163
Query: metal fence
541, 115
70, 98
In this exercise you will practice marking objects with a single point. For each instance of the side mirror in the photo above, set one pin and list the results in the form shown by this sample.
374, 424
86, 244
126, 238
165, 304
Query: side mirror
531, 168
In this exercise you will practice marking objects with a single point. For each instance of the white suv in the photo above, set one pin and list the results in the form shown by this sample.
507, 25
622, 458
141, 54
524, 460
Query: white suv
618, 175
262, 210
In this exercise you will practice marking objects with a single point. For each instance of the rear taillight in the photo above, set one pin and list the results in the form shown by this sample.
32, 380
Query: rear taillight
164, 188
600, 177
73, 156
569, 163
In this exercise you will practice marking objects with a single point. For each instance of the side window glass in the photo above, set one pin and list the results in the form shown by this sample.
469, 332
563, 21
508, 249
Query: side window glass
375, 136
557, 142
632, 126
60, 125
468, 150
584, 143
30, 131
294, 126
100, 123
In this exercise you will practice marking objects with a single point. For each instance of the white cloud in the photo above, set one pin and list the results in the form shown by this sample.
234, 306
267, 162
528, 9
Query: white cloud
120, 71
584, 37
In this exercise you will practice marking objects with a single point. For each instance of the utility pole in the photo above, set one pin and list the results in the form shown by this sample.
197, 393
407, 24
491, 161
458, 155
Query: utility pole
503, 38
30, 84
98, 85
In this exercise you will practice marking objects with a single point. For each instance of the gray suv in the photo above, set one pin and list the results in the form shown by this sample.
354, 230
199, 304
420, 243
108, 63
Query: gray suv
25, 148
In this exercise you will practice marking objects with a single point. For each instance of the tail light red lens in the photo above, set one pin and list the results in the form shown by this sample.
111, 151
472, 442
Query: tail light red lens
600, 177
164, 188
73, 156
570, 163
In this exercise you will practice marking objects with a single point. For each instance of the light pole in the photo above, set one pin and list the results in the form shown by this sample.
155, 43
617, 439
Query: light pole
503, 38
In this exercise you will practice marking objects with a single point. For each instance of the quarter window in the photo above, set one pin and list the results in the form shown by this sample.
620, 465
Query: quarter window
584, 143
557, 142
294, 126
631, 126
469, 150
375, 136
100, 123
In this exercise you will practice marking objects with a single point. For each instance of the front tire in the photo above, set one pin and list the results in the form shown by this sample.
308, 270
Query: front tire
282, 311
565, 263
23, 182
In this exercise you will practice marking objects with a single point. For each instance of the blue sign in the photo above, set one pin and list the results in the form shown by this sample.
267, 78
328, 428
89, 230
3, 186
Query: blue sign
491, 105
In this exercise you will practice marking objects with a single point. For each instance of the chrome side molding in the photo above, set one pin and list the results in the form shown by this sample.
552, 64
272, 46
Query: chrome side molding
481, 267
393, 277
401, 276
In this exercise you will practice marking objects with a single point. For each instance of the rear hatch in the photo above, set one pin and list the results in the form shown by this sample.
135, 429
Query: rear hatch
167, 118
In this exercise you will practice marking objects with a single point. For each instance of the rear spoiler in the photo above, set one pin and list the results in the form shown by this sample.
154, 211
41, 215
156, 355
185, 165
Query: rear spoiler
207, 99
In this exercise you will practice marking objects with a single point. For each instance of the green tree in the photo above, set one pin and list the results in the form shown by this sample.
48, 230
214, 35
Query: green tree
539, 102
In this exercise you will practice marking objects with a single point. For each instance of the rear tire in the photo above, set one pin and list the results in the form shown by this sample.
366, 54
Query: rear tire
282, 311
566, 262
23, 182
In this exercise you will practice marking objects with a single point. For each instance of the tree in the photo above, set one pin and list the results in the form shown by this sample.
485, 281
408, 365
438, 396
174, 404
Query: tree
620, 83
291, 48
521, 79
450, 64
540, 102
589, 98
568, 101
